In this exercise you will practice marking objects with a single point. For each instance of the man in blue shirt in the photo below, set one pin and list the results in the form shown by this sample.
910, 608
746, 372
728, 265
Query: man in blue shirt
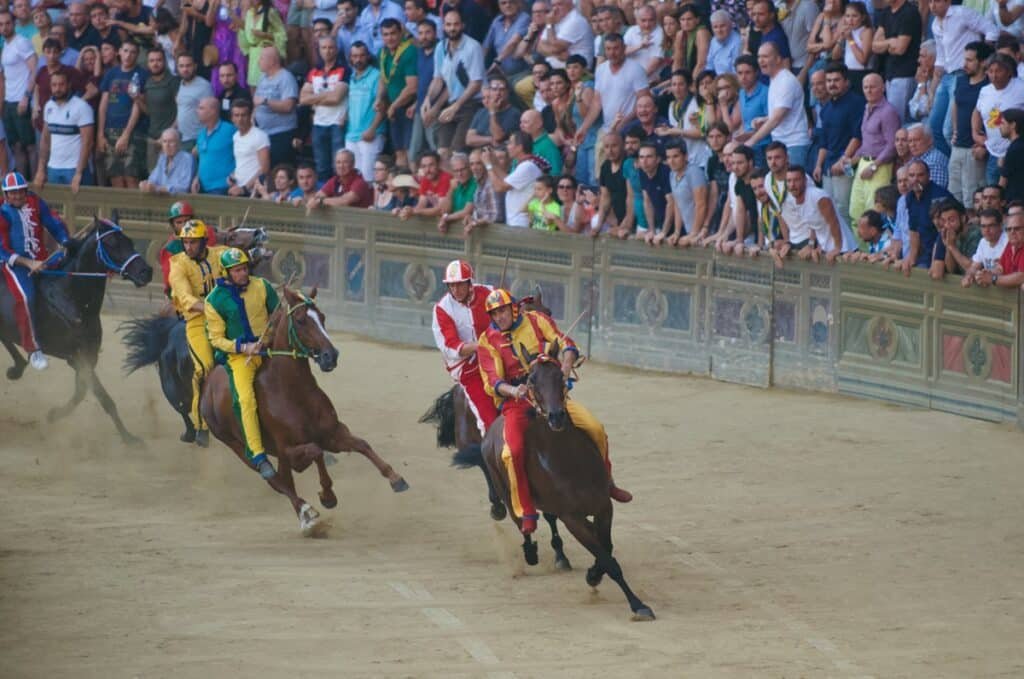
839, 137
371, 17
923, 235
753, 101
511, 22
656, 189
766, 28
350, 31
121, 129
275, 99
174, 168
361, 138
426, 43
214, 148
454, 94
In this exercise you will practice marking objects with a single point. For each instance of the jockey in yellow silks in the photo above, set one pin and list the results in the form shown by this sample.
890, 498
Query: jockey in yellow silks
504, 369
237, 313
193, 275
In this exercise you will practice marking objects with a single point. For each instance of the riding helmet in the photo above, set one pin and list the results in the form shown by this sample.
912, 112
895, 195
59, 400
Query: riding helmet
458, 271
14, 181
233, 257
180, 209
498, 298
193, 228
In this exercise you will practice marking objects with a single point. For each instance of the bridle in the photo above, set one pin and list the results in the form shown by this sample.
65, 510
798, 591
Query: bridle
531, 393
296, 347
101, 252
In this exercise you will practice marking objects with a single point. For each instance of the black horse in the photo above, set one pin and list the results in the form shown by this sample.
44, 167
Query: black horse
68, 311
457, 428
161, 340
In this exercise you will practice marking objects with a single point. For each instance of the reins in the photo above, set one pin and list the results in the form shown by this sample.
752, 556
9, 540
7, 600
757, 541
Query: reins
102, 256
296, 348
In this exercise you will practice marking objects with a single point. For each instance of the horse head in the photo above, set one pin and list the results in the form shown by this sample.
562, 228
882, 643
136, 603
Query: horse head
251, 240
307, 332
547, 385
535, 302
105, 248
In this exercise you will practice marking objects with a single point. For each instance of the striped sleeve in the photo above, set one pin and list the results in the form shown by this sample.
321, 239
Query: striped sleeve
491, 367
551, 332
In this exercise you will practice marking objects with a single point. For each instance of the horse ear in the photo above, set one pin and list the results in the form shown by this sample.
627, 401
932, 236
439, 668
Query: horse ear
538, 296
526, 353
312, 293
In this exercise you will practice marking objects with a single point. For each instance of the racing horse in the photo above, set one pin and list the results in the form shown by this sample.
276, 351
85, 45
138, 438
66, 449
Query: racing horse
297, 418
160, 339
564, 469
456, 427
68, 311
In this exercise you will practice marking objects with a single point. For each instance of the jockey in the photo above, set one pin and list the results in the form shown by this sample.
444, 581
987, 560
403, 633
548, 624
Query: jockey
23, 217
179, 213
193, 274
505, 371
237, 313
459, 319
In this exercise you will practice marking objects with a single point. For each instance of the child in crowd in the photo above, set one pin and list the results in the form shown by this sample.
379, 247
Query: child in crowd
544, 210
404, 195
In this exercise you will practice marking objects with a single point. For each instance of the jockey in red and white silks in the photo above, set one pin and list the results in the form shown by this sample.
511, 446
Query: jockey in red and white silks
459, 319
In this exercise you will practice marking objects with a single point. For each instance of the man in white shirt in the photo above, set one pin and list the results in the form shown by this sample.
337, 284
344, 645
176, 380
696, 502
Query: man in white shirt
68, 133
518, 183
786, 121
1004, 91
326, 91
953, 28
990, 248
814, 224
567, 33
643, 41
18, 61
251, 148
618, 84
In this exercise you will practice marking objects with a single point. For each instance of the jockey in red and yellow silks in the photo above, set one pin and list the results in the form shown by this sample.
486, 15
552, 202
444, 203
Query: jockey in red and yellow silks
459, 319
505, 371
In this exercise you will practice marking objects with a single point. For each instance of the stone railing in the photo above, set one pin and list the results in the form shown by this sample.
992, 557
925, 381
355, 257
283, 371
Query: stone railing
854, 329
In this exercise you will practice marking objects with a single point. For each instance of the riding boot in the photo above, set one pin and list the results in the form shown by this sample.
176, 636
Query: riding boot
264, 467
203, 438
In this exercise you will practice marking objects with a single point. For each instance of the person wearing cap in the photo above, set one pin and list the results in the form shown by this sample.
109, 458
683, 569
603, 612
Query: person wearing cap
193, 273
459, 319
404, 195
505, 369
24, 219
179, 213
237, 313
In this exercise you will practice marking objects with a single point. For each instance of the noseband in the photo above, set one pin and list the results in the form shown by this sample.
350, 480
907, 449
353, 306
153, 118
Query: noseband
296, 347
101, 252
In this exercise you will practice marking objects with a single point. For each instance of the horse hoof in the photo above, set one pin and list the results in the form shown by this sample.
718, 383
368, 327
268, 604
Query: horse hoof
594, 576
399, 486
132, 440
498, 511
563, 564
16, 371
188, 437
328, 500
643, 614
309, 521
202, 438
530, 554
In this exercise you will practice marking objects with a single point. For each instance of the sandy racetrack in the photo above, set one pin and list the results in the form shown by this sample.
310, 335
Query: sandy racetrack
774, 534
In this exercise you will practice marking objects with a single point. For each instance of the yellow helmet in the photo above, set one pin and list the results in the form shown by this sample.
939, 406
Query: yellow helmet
193, 228
233, 257
498, 298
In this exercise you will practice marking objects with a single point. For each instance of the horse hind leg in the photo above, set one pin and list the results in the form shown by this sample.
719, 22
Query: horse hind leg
18, 369
341, 439
111, 409
561, 560
83, 376
588, 536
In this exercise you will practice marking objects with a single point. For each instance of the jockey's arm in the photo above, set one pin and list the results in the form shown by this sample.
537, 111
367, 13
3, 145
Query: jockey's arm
216, 330
492, 370
181, 288
9, 256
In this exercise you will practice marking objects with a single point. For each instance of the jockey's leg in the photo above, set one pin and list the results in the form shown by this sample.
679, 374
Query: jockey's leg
583, 419
479, 402
23, 290
513, 456
202, 361
241, 376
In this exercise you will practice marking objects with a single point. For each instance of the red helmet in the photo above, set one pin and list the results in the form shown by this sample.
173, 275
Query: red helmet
458, 271
179, 209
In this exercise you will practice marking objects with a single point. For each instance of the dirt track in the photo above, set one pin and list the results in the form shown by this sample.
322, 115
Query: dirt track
774, 534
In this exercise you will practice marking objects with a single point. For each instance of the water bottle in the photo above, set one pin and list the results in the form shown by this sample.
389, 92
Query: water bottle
847, 167
135, 86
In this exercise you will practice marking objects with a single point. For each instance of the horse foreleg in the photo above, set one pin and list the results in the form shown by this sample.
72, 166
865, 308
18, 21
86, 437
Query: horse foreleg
18, 369
561, 561
82, 377
111, 409
327, 497
589, 536
309, 518
530, 551
341, 439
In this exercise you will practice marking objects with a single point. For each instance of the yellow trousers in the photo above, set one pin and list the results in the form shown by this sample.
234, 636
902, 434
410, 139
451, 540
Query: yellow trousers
202, 363
515, 468
862, 195
241, 378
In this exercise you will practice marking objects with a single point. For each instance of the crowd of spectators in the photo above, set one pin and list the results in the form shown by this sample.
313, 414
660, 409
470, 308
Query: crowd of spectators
886, 132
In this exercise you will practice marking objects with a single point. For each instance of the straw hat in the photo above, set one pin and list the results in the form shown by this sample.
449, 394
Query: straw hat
405, 181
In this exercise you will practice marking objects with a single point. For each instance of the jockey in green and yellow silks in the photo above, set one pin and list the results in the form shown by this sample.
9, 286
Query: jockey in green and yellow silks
193, 274
237, 313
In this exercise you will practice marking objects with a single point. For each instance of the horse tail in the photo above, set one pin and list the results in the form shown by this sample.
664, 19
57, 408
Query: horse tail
145, 339
469, 457
443, 413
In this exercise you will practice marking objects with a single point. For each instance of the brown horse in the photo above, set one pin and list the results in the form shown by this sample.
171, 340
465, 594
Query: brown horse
296, 417
564, 469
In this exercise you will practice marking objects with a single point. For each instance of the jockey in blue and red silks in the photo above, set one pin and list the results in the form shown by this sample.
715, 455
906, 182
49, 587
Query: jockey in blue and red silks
23, 218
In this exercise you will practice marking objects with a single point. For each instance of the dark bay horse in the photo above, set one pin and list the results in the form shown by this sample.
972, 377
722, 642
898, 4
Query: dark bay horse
297, 418
566, 474
68, 307
160, 339
456, 427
